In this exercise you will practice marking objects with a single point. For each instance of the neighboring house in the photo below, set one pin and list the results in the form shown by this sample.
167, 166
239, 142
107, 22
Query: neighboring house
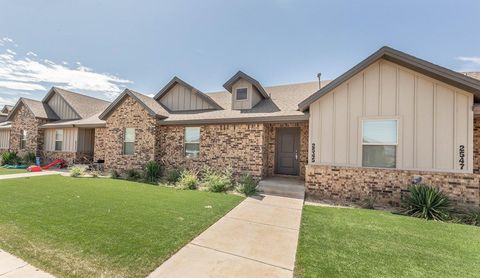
60, 126
4, 128
4, 113
391, 120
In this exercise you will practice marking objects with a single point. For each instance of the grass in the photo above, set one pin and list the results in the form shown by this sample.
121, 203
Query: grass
4, 171
337, 242
80, 227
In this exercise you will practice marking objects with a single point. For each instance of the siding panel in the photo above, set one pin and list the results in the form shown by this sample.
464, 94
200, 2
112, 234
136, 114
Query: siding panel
435, 119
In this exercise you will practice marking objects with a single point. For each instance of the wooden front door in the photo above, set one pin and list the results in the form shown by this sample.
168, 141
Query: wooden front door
287, 151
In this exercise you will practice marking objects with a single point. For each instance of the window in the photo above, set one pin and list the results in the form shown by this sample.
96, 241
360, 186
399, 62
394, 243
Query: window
129, 141
192, 141
379, 143
23, 140
58, 139
242, 94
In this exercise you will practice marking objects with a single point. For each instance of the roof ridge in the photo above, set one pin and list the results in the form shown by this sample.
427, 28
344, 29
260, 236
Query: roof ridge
80, 94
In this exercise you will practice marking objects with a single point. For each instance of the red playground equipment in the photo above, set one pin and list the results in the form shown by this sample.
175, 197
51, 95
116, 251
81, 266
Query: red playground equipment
60, 162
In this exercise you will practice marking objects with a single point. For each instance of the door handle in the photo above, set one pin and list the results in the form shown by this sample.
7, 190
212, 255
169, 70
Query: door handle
296, 155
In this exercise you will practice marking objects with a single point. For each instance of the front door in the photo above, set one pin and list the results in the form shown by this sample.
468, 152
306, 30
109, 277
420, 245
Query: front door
287, 153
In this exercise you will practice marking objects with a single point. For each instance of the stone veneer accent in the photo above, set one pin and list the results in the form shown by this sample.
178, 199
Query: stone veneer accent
354, 185
25, 120
127, 114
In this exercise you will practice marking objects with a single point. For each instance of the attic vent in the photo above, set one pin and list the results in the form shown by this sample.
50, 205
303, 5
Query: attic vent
319, 76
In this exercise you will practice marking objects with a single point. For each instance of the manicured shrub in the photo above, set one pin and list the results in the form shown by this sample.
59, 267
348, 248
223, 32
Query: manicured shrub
470, 217
246, 185
9, 158
94, 174
217, 181
29, 159
133, 175
152, 171
173, 176
427, 202
76, 172
188, 180
114, 174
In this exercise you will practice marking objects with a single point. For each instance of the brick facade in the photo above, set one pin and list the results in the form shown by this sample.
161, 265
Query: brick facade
241, 147
238, 146
25, 120
99, 147
354, 185
128, 114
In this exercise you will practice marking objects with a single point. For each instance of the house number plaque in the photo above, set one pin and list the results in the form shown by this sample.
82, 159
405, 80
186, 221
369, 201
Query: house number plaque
313, 152
461, 153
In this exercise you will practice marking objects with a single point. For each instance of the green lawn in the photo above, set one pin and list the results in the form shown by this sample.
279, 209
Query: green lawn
101, 227
337, 242
4, 171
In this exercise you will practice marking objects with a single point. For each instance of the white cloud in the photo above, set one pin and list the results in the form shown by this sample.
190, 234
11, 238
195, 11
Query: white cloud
473, 59
31, 74
21, 86
11, 52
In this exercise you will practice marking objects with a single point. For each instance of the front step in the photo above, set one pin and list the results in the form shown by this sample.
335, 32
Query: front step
283, 186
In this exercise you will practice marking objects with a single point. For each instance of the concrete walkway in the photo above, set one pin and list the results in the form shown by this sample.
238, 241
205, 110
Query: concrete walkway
258, 238
29, 174
11, 266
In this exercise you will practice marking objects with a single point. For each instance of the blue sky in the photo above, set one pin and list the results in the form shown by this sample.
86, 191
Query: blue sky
101, 47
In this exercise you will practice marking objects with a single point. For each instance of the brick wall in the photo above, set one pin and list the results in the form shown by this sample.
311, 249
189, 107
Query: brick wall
25, 120
239, 146
354, 185
99, 147
128, 114
271, 132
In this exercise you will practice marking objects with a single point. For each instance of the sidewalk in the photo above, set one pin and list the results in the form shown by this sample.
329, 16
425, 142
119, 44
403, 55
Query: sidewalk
11, 266
28, 174
258, 238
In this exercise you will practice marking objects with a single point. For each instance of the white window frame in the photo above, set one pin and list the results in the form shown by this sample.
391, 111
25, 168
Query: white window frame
380, 119
23, 139
185, 141
125, 140
55, 146
236, 94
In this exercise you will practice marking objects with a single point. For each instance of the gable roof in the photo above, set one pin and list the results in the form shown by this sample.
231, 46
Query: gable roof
241, 75
6, 109
176, 80
84, 106
151, 106
282, 106
37, 108
445, 75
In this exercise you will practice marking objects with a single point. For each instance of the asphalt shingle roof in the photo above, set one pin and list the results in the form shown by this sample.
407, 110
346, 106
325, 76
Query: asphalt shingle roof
85, 106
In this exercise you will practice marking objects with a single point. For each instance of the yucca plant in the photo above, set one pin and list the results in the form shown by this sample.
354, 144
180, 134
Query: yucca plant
152, 171
9, 158
427, 202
